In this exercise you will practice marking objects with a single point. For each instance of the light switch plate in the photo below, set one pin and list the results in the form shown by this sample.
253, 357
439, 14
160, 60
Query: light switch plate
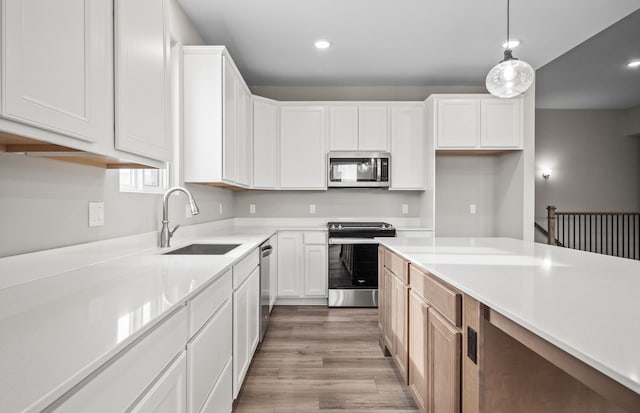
252, 208
312, 208
96, 214
405, 208
472, 209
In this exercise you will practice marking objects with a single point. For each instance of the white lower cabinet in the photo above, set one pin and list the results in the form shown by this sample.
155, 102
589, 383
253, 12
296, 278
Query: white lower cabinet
246, 319
207, 355
302, 264
168, 395
220, 399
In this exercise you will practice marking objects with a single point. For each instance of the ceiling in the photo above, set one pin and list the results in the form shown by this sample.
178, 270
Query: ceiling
393, 42
594, 75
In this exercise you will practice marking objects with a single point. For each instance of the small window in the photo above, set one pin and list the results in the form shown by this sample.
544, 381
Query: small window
146, 181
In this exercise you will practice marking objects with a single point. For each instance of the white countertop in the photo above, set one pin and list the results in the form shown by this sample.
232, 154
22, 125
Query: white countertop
56, 330
586, 304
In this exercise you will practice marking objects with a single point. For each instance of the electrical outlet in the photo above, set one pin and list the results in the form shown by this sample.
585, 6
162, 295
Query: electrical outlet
252, 208
187, 213
96, 214
312, 208
405, 208
472, 209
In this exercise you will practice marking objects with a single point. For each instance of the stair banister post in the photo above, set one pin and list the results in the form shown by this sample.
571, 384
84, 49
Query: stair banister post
551, 225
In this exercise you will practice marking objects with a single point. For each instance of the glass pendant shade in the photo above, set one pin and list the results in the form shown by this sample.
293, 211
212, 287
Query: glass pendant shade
510, 78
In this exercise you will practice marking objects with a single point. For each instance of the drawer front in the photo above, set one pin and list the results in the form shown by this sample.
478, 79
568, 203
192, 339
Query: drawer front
245, 267
120, 383
315, 237
446, 301
207, 355
220, 399
202, 306
396, 265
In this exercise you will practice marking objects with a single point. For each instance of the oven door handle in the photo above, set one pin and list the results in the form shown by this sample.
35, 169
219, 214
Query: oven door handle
342, 241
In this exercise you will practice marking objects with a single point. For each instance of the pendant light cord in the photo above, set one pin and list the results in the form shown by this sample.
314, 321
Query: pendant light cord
508, 24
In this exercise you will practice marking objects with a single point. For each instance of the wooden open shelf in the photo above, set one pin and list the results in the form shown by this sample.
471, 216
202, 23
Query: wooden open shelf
32, 147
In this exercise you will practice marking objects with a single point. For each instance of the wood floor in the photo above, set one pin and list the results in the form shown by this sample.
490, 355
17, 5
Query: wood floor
316, 359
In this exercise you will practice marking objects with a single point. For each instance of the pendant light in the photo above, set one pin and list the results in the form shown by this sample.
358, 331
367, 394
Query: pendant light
511, 77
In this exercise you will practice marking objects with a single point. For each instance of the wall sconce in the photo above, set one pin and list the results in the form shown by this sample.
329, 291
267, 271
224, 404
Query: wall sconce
546, 173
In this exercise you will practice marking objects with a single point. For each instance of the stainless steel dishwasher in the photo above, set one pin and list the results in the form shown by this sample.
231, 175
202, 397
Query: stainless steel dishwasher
265, 286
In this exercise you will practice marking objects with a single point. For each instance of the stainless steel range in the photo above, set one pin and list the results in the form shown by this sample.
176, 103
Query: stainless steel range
353, 262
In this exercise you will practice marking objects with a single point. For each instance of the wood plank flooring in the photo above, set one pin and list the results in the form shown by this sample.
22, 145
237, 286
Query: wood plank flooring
319, 359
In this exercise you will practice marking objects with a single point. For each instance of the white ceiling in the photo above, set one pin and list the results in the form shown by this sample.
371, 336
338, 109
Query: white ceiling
393, 42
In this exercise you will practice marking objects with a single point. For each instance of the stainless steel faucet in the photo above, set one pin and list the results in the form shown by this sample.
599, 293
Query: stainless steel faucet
166, 233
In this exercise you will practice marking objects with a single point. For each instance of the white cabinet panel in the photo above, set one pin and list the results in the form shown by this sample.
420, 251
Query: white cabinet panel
458, 123
408, 151
343, 128
246, 319
265, 145
142, 78
315, 270
501, 123
58, 66
220, 399
203, 305
373, 124
245, 121
230, 123
273, 272
208, 353
302, 147
290, 264
168, 395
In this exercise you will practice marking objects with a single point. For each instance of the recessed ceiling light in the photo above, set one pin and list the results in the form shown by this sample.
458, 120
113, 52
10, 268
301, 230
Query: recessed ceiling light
634, 63
322, 44
510, 44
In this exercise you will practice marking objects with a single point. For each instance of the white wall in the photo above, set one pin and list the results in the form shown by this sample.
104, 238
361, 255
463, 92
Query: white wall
44, 203
595, 166
332, 203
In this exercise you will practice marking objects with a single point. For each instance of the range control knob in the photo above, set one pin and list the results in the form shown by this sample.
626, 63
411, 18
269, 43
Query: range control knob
339, 226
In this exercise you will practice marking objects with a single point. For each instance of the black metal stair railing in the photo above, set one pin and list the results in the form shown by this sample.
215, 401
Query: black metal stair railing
610, 233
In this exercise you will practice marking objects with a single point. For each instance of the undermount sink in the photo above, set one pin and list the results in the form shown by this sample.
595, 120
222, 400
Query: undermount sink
203, 249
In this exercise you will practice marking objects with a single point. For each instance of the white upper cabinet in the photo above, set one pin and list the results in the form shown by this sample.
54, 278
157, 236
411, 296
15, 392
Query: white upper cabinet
458, 123
217, 113
142, 78
408, 150
302, 147
373, 128
58, 66
501, 123
358, 128
343, 128
265, 144
476, 122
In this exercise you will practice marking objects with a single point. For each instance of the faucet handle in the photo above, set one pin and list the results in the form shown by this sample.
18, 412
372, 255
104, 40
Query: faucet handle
171, 231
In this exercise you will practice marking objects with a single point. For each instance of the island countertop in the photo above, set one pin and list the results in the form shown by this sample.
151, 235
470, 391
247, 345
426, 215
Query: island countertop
585, 304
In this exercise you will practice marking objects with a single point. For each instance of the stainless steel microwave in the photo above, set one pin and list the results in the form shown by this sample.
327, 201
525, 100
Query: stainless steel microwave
358, 169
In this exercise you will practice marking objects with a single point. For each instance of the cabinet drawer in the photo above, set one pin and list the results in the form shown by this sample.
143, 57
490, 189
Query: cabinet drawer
315, 237
242, 269
116, 386
207, 355
446, 301
202, 306
396, 265
220, 399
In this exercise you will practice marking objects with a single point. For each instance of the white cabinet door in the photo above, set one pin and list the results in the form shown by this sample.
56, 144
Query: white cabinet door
302, 147
246, 319
220, 399
230, 123
244, 136
290, 264
501, 123
373, 128
458, 123
408, 151
207, 355
168, 395
142, 78
343, 128
265, 145
58, 66
315, 270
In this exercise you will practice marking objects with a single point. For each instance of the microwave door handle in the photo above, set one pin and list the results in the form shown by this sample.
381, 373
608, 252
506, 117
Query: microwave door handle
379, 168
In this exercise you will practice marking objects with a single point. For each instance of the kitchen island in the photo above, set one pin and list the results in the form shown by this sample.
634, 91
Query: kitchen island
510, 325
